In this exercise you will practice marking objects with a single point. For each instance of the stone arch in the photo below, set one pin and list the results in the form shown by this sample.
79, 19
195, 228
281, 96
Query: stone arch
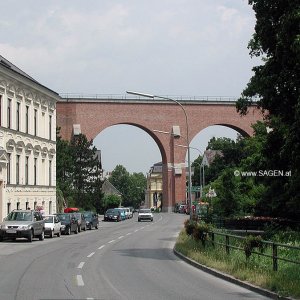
96, 115
145, 129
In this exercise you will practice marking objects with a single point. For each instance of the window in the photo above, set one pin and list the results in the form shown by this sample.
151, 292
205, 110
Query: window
18, 205
27, 119
50, 127
26, 169
50, 169
35, 122
18, 169
50, 207
18, 116
35, 171
8, 168
27, 205
9, 113
8, 208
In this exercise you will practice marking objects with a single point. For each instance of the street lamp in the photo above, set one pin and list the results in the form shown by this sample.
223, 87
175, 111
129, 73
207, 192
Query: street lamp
187, 141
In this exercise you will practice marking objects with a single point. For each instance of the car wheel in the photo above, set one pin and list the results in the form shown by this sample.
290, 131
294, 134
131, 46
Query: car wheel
68, 232
79, 228
152, 220
51, 234
42, 236
96, 227
84, 228
139, 220
1, 238
30, 237
59, 233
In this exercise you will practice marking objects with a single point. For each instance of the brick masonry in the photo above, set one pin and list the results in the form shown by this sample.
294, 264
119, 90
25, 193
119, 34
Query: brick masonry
95, 116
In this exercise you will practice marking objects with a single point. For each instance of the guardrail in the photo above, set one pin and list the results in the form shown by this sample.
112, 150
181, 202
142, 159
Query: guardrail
274, 248
132, 97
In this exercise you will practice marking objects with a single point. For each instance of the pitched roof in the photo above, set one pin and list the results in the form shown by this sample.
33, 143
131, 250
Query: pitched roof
7, 64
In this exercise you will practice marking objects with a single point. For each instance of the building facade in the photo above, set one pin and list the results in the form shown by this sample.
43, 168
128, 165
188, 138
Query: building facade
153, 196
27, 142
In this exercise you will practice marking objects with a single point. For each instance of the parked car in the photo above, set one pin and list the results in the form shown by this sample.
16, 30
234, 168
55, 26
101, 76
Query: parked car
122, 212
145, 214
23, 224
52, 225
112, 214
91, 219
68, 223
81, 221
182, 208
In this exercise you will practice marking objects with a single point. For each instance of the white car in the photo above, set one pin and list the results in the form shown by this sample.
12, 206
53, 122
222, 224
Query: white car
145, 214
52, 225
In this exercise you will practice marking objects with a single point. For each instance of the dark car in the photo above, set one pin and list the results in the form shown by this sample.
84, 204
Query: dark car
23, 224
68, 223
112, 215
91, 219
81, 221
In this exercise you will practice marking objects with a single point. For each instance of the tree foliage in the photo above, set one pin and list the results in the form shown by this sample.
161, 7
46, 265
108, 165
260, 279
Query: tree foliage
132, 186
276, 86
78, 172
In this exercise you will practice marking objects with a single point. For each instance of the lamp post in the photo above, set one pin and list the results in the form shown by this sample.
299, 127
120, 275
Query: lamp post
187, 141
201, 176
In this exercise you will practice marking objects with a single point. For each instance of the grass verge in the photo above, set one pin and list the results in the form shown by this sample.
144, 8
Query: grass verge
257, 270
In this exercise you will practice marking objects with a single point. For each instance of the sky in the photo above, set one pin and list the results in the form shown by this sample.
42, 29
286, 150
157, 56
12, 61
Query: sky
161, 47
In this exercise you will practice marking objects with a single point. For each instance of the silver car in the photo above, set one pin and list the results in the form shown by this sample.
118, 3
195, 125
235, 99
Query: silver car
23, 224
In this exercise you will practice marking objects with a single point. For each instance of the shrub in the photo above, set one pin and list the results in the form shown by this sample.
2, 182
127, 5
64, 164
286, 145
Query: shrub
252, 242
200, 232
189, 226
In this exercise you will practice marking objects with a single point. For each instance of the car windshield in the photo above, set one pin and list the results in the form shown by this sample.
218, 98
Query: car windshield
87, 215
110, 211
48, 219
19, 216
143, 211
64, 217
77, 216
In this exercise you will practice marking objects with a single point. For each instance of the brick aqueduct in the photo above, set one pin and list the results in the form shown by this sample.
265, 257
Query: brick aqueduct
97, 114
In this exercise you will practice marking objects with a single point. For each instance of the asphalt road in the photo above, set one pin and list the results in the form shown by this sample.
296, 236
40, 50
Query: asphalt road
127, 260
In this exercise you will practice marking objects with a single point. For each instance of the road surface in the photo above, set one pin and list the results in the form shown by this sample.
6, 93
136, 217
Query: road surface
126, 260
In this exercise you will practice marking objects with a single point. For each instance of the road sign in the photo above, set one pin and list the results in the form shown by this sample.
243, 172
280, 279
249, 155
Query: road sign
195, 188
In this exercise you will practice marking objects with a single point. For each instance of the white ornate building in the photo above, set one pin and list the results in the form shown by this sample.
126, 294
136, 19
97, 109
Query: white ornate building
27, 142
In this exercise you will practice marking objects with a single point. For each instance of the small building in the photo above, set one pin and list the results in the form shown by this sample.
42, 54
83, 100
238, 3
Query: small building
27, 142
154, 192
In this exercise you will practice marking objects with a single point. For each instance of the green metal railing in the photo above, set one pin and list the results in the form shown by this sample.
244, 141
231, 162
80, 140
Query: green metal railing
274, 248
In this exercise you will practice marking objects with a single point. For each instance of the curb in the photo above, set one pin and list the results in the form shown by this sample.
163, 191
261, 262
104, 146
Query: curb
230, 278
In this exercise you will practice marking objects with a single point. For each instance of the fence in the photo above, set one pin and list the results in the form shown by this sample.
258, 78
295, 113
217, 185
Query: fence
272, 245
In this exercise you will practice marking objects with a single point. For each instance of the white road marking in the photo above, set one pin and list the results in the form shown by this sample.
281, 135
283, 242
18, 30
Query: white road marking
111, 241
136, 230
101, 247
79, 280
91, 254
80, 266
89, 298
120, 237
143, 227
129, 233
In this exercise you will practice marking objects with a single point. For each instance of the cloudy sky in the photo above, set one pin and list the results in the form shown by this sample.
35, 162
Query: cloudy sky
165, 47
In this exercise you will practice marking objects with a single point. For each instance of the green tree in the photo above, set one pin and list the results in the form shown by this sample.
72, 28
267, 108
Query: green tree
86, 171
111, 201
120, 179
132, 186
64, 166
276, 85
136, 192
